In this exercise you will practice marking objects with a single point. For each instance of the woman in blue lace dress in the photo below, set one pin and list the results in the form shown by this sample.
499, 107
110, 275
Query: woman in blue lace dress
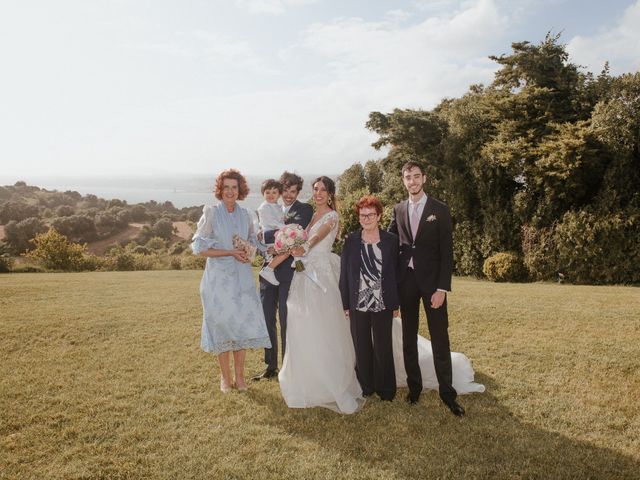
233, 319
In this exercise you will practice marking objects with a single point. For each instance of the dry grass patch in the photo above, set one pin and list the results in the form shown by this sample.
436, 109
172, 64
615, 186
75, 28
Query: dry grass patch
102, 377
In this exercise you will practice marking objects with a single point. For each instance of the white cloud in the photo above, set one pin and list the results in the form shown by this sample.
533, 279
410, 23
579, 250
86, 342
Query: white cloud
223, 51
435, 5
272, 7
164, 48
318, 125
398, 16
415, 65
620, 45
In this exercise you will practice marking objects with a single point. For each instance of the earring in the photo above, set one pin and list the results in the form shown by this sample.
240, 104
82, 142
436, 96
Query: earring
329, 202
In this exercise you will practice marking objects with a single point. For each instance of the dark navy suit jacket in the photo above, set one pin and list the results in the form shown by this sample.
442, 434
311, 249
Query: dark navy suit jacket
431, 250
300, 213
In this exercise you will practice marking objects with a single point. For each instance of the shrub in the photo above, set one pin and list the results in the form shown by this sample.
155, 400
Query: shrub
92, 262
177, 248
156, 243
176, 263
17, 211
54, 251
119, 259
193, 262
28, 268
258, 261
138, 213
144, 262
140, 250
6, 261
466, 249
111, 221
194, 214
540, 253
79, 228
596, 248
18, 235
164, 228
504, 267
65, 211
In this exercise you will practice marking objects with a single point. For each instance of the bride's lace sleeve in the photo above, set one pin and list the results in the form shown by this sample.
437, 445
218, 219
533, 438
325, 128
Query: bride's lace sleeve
325, 225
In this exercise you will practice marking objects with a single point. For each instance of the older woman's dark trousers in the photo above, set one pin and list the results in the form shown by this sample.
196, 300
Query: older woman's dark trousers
372, 340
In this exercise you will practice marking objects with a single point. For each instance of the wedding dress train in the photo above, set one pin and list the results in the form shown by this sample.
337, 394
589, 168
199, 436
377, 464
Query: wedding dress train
463, 374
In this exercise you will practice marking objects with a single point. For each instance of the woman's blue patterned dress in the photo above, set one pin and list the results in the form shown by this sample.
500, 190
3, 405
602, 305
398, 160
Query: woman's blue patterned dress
233, 318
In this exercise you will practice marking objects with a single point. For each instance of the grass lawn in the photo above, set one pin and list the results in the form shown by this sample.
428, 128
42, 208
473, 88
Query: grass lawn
102, 377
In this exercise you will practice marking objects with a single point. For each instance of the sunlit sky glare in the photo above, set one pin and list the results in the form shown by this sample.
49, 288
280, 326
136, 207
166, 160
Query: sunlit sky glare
102, 87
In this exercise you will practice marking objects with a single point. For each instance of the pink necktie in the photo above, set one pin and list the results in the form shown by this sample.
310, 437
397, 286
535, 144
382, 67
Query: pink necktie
414, 220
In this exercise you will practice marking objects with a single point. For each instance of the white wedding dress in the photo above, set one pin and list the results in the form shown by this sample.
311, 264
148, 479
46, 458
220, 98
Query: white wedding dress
318, 369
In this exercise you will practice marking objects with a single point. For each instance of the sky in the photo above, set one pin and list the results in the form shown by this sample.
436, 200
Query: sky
157, 87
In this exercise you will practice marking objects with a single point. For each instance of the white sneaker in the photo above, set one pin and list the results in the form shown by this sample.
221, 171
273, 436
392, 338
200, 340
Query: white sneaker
269, 275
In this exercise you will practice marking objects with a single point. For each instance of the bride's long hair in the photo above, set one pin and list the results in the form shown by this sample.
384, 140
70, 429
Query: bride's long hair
330, 185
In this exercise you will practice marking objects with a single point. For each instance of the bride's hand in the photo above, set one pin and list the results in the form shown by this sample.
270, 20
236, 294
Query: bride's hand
297, 251
396, 313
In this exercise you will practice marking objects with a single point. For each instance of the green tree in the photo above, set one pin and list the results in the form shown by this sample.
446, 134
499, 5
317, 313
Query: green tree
17, 211
18, 235
525, 162
164, 228
353, 178
78, 228
374, 176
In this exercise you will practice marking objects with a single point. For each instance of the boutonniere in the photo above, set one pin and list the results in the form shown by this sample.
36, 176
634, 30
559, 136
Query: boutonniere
289, 216
431, 218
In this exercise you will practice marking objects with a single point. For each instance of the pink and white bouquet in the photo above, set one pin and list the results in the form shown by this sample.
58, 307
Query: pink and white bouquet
288, 237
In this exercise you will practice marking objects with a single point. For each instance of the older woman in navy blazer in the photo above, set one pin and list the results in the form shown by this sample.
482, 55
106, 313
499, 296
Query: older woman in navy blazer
369, 297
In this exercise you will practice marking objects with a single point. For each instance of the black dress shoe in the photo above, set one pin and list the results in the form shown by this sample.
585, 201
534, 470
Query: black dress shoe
266, 375
413, 398
455, 408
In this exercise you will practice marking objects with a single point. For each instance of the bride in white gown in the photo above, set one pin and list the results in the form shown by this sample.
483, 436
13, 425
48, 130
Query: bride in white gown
318, 369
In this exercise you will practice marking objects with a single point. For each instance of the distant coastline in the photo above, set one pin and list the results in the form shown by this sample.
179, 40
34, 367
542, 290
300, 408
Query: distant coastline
181, 191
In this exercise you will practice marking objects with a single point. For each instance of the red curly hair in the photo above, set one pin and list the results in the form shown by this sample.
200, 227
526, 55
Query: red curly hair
369, 201
232, 173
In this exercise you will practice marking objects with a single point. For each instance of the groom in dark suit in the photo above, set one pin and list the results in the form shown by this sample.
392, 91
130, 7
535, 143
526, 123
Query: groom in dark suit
424, 228
274, 297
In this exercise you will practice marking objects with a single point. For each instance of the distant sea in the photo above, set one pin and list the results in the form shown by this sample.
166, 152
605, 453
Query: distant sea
181, 191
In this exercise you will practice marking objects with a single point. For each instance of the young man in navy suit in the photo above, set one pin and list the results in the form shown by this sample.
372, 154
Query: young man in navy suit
424, 228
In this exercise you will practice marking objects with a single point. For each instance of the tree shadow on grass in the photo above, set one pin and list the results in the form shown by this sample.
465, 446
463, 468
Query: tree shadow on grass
426, 441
